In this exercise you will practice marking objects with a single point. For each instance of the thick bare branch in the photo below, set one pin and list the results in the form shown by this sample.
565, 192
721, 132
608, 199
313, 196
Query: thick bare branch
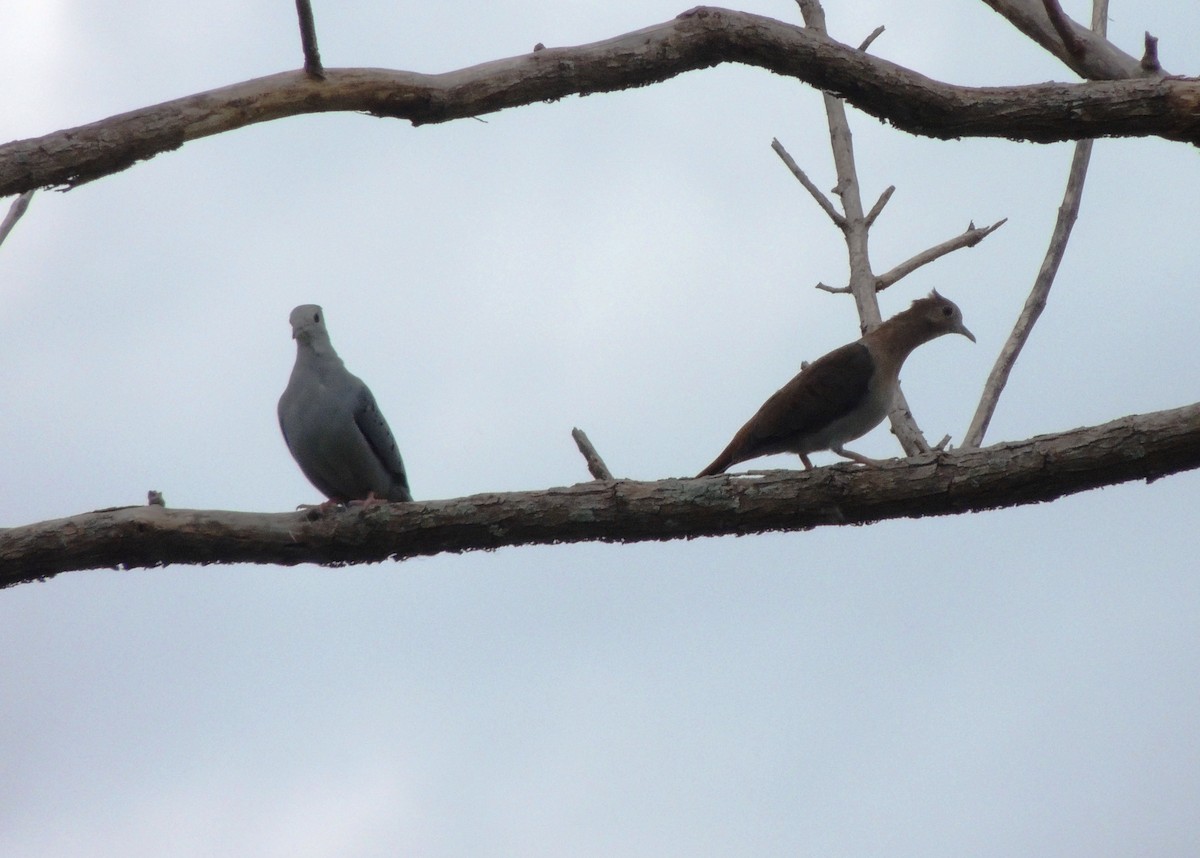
18, 207
1168, 108
1100, 59
968, 238
1039, 469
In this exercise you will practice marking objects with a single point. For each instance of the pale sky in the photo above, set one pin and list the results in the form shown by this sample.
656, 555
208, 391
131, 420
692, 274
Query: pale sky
640, 265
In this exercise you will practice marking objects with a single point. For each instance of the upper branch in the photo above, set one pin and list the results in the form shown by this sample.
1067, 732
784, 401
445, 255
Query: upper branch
1039, 469
702, 38
1089, 54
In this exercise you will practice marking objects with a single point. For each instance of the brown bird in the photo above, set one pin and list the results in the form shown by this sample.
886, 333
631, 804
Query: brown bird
843, 395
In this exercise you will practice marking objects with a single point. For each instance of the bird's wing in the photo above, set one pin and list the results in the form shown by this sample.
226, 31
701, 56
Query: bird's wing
829, 388
378, 436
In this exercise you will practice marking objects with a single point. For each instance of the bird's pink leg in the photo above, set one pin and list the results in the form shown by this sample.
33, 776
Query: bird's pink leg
857, 457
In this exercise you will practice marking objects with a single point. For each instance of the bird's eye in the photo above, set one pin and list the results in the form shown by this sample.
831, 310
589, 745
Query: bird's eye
316, 317
947, 312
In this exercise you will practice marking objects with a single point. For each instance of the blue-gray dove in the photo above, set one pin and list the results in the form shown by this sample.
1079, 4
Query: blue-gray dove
843, 395
331, 423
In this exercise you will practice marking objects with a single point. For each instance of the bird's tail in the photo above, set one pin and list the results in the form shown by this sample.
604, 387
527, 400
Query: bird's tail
719, 464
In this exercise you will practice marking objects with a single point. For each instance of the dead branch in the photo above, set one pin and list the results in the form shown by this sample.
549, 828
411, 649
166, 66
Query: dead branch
1074, 45
877, 209
813, 190
875, 34
595, 464
704, 37
18, 207
1099, 58
1149, 62
308, 40
1141, 447
968, 238
856, 230
1068, 212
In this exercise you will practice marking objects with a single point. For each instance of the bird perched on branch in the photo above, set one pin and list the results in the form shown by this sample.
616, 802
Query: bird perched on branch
843, 395
332, 425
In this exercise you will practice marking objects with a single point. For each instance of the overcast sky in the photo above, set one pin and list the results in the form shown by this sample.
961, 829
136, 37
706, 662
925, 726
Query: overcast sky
639, 265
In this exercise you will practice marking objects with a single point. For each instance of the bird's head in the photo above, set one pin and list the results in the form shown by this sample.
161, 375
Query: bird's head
308, 320
940, 315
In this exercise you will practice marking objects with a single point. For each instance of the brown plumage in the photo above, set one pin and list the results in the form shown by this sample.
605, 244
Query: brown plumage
844, 394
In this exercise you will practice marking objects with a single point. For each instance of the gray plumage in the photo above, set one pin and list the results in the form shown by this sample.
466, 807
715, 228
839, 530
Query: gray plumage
331, 423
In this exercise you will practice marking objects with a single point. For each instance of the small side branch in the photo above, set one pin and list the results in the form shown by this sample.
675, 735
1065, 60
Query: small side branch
969, 238
1150, 57
18, 207
1066, 31
595, 464
802, 177
308, 40
877, 209
875, 34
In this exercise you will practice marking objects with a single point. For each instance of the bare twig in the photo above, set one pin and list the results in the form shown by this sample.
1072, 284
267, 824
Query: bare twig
308, 40
877, 209
969, 238
18, 207
1068, 211
833, 290
875, 34
822, 200
595, 464
1150, 57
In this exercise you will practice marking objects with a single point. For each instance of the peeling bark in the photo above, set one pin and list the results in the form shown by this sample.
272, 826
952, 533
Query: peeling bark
701, 38
1038, 469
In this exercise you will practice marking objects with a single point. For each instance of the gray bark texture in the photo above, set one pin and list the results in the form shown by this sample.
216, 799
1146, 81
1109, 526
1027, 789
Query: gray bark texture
1141, 447
703, 37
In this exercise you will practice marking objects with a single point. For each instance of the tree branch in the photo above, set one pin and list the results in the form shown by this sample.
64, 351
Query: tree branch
857, 229
1039, 469
1099, 58
308, 40
969, 238
1065, 28
1168, 108
1068, 212
15, 211
815, 192
595, 464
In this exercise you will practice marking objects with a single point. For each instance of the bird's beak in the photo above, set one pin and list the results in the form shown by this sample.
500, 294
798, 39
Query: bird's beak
962, 329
